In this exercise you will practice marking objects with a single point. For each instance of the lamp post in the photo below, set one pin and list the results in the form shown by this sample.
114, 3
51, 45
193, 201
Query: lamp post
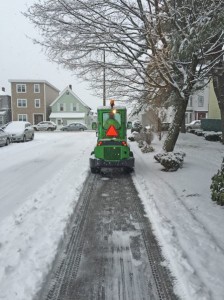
104, 78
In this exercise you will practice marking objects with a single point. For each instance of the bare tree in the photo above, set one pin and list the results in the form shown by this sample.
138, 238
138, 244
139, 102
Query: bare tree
76, 33
218, 83
150, 44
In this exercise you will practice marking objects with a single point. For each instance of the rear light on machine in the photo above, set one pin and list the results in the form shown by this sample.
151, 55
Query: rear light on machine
124, 143
100, 143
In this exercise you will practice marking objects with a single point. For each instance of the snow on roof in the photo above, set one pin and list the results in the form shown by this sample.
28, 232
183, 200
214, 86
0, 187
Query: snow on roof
74, 95
67, 115
2, 113
33, 81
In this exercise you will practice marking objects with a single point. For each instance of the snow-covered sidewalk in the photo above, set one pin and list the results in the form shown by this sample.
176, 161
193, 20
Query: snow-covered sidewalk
186, 222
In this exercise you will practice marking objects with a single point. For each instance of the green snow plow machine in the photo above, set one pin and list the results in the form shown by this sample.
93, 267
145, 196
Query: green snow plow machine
112, 149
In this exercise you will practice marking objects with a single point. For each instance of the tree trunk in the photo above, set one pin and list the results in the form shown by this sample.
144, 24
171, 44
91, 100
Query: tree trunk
218, 83
174, 129
222, 125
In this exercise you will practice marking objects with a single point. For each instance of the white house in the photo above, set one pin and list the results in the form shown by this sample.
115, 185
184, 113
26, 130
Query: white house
68, 108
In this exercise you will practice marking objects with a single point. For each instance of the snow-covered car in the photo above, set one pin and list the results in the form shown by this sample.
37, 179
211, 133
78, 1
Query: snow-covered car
74, 127
20, 131
45, 125
5, 138
3, 126
196, 124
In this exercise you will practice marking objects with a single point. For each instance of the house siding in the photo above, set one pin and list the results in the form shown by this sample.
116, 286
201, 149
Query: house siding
67, 100
194, 111
213, 110
46, 95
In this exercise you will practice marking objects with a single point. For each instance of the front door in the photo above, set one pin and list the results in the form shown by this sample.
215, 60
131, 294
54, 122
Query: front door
38, 118
201, 115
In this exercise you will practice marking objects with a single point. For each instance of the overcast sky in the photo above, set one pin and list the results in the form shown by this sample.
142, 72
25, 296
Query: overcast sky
21, 59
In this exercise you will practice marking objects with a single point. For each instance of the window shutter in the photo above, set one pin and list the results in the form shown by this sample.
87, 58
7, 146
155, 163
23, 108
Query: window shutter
58, 106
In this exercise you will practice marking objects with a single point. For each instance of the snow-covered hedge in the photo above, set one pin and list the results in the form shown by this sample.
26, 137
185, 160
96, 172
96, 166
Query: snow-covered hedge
144, 139
212, 136
217, 186
170, 161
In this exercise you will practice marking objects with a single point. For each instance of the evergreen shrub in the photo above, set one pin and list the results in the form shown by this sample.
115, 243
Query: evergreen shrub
212, 136
170, 161
217, 186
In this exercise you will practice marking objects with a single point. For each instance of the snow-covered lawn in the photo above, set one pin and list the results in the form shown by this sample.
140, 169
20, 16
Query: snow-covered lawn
39, 188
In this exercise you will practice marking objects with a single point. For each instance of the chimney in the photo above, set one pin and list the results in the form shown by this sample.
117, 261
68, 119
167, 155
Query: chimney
70, 86
3, 89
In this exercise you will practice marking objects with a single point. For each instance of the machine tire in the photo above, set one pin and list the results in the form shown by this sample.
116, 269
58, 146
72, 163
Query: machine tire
95, 170
128, 170
7, 142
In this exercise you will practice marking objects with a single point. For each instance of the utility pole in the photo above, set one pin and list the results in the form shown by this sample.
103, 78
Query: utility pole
104, 78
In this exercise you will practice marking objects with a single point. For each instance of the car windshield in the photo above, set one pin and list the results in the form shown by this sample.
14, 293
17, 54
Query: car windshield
15, 126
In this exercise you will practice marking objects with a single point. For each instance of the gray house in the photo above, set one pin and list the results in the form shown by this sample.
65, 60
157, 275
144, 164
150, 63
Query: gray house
68, 108
5, 108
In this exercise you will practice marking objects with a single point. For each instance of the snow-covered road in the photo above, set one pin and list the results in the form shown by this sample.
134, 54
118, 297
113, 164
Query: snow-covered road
40, 183
26, 167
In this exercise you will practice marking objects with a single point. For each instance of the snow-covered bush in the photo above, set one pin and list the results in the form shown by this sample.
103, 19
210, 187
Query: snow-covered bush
217, 186
131, 138
144, 139
140, 143
170, 161
147, 136
137, 136
147, 148
212, 136
199, 132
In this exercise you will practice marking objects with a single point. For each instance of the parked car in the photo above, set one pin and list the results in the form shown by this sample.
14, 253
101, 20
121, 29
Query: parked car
3, 126
5, 138
196, 124
136, 126
20, 131
74, 127
45, 125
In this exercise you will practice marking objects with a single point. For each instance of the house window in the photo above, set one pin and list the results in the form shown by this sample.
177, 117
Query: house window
61, 107
73, 107
36, 88
200, 101
21, 88
21, 103
22, 117
37, 103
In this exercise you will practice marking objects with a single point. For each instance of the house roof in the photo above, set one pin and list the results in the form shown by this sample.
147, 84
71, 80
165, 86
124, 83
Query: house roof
69, 115
33, 81
74, 95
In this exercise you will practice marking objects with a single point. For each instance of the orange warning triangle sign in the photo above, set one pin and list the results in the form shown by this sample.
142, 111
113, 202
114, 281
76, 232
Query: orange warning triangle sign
111, 131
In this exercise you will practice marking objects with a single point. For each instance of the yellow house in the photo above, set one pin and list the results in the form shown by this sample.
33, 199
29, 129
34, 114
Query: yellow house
213, 107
